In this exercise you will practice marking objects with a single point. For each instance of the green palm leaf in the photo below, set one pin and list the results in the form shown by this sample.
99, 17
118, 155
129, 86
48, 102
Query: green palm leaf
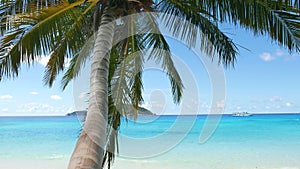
200, 25
77, 62
71, 43
275, 18
278, 19
58, 25
157, 49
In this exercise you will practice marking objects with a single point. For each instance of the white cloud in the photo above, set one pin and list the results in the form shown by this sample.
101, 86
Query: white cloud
83, 95
204, 105
7, 96
221, 104
275, 99
34, 107
195, 102
157, 104
5, 110
279, 53
288, 104
44, 60
34, 93
291, 57
55, 97
267, 57
67, 62
40, 108
145, 105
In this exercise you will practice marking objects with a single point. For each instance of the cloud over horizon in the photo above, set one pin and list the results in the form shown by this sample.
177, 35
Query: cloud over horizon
56, 97
34, 93
40, 108
6, 96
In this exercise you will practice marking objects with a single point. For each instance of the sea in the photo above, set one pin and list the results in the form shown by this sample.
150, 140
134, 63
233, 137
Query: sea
260, 141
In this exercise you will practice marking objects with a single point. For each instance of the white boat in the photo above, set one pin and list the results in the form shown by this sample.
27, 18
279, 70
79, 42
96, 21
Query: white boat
241, 114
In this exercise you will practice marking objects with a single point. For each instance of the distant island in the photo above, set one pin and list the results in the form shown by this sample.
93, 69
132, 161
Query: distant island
77, 113
141, 112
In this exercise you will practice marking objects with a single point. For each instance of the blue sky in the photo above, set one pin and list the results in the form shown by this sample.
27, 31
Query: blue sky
265, 79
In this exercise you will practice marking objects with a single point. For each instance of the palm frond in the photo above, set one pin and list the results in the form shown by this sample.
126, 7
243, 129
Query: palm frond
114, 114
285, 28
114, 121
77, 62
23, 13
195, 24
30, 43
297, 5
278, 19
136, 85
70, 44
119, 83
158, 50
13, 7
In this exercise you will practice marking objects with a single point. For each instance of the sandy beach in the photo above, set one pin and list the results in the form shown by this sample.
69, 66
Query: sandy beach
120, 164
33, 163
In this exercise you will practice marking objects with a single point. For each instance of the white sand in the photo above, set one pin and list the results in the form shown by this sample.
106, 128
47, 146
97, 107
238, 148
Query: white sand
145, 164
33, 164
125, 164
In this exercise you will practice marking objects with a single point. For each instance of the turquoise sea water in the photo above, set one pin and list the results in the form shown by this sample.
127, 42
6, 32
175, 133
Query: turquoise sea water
37, 137
258, 141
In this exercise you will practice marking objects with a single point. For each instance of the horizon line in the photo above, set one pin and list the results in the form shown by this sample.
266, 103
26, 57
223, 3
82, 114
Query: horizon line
199, 114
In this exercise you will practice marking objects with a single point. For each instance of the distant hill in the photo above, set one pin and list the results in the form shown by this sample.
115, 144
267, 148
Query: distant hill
144, 111
141, 112
77, 113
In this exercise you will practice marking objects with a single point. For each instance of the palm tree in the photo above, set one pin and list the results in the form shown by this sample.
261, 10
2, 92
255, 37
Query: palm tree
61, 29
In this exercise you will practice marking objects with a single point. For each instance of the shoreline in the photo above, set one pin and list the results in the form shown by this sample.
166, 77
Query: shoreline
226, 114
62, 163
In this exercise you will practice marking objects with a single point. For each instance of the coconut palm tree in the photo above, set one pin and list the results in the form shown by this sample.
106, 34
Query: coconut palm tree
61, 29
55, 64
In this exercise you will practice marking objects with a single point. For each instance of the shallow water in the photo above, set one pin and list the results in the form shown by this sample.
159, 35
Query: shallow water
258, 141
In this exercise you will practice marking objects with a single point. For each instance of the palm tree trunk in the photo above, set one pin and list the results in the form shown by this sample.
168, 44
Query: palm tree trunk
89, 150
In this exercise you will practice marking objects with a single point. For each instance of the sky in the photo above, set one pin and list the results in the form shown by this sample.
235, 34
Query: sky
265, 79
